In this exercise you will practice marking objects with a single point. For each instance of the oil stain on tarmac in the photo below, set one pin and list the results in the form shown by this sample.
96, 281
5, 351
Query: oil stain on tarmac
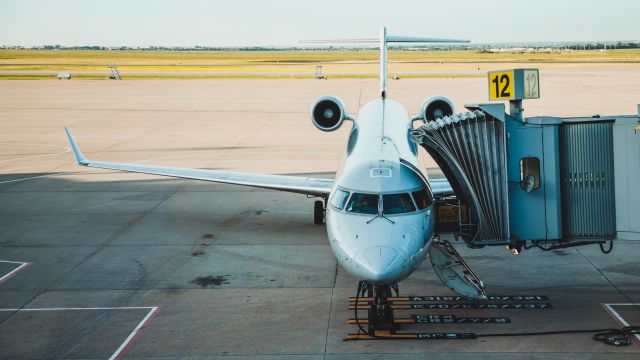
206, 281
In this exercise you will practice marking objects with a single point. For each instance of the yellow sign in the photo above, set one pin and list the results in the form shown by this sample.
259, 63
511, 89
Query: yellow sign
501, 85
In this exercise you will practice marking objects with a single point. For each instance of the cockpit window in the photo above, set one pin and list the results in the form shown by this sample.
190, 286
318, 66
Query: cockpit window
397, 203
363, 204
339, 198
422, 198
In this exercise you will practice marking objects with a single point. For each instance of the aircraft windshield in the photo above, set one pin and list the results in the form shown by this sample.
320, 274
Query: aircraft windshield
363, 204
397, 203
422, 198
339, 199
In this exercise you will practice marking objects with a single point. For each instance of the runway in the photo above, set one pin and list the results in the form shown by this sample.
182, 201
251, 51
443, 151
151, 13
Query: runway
100, 264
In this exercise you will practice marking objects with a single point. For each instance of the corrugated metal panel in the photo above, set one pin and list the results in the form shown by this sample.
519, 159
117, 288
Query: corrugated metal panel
470, 148
626, 156
588, 196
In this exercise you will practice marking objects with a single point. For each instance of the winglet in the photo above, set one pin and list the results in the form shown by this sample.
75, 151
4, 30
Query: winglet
80, 159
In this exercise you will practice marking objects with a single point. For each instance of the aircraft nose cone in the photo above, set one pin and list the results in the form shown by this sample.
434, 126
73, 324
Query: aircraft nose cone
381, 264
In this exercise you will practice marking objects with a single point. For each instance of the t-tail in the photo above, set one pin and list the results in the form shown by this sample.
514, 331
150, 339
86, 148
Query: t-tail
383, 40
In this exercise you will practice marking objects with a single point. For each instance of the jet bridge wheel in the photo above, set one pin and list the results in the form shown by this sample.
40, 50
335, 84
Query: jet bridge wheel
318, 212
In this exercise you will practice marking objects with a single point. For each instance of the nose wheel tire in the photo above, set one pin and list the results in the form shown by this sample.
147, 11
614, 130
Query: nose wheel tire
318, 212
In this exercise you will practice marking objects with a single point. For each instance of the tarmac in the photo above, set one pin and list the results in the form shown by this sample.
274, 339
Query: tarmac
102, 264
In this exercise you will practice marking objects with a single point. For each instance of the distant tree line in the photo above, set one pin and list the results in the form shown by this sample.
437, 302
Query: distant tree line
572, 46
617, 45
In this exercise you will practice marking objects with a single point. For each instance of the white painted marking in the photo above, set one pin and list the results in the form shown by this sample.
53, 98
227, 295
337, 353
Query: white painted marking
37, 156
97, 206
133, 334
37, 177
127, 342
619, 318
81, 308
14, 271
36, 144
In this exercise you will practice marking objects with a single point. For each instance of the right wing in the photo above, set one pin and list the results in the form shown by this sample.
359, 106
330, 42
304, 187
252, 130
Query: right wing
295, 184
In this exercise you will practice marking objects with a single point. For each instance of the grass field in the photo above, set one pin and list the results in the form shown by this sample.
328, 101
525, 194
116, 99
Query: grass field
37, 64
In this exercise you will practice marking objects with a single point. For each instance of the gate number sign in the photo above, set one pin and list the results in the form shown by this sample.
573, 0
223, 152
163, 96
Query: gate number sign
501, 85
516, 84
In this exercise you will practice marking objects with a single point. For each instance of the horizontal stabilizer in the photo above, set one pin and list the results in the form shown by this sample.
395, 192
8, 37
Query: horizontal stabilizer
388, 39
413, 39
382, 41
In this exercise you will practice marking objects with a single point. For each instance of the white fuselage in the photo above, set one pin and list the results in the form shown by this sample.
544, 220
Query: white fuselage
386, 246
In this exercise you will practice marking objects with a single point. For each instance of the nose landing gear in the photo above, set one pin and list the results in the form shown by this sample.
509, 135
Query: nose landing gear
380, 313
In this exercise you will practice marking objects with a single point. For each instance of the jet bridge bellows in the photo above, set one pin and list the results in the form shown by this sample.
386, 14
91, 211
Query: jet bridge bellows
538, 178
470, 148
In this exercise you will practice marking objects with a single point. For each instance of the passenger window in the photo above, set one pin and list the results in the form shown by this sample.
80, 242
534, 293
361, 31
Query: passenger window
397, 203
339, 198
422, 198
363, 204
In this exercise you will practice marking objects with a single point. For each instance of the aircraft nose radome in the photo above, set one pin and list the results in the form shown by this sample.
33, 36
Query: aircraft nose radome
381, 263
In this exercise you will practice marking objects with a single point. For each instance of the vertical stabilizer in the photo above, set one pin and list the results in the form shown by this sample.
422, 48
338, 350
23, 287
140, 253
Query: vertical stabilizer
383, 62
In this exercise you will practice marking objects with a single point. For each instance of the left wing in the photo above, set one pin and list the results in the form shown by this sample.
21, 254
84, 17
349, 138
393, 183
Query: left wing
296, 184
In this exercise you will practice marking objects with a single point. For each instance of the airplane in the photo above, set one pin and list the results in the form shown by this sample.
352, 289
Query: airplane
379, 210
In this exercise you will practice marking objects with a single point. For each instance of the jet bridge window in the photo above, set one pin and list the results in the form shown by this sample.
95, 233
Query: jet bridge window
422, 198
397, 203
529, 173
363, 204
339, 199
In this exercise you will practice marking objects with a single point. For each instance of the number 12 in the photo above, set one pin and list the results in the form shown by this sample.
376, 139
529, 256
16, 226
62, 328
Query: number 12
504, 79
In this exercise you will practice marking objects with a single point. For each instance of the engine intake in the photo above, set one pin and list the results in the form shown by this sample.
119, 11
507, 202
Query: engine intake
437, 107
327, 113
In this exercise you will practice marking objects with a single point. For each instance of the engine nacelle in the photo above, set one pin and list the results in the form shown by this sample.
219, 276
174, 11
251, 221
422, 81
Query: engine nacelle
437, 107
328, 113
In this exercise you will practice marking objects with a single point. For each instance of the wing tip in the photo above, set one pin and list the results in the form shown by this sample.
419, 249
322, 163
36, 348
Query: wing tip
80, 159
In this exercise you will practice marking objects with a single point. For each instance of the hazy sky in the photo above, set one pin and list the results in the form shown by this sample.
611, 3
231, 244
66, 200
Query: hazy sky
284, 22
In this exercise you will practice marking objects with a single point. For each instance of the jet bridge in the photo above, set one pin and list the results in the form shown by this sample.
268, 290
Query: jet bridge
569, 181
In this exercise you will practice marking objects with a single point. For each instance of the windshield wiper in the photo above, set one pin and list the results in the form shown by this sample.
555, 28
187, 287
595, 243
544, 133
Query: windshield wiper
380, 213
381, 216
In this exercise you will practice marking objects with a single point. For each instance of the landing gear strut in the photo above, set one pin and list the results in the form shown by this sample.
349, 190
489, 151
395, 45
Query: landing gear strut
318, 212
380, 313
